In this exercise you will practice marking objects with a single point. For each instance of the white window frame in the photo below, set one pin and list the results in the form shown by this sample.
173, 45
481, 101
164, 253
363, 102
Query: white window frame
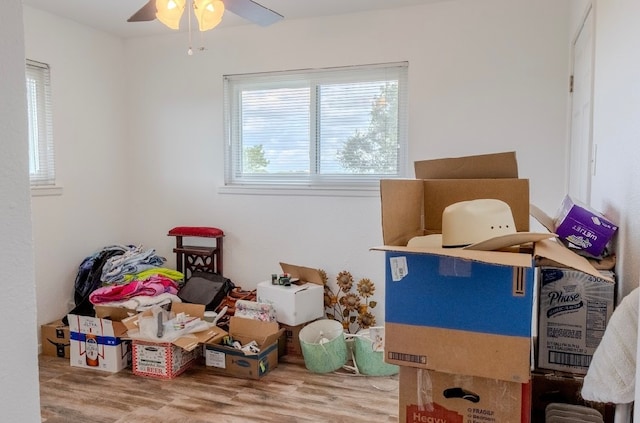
41, 154
314, 182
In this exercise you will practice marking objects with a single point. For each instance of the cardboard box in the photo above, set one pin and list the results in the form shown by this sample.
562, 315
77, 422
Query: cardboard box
97, 342
547, 388
575, 309
429, 396
166, 359
453, 310
54, 338
295, 304
291, 337
161, 360
582, 228
187, 342
226, 360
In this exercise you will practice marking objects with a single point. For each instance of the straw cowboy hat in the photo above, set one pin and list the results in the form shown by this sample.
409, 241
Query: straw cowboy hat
483, 224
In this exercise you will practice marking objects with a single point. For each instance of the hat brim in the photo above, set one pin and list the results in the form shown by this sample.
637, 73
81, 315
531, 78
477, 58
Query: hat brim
426, 241
493, 244
511, 240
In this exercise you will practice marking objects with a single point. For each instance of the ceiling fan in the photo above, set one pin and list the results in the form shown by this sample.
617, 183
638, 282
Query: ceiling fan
207, 12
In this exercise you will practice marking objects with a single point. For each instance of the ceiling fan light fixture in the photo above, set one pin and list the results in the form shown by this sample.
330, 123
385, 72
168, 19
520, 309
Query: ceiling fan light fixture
208, 13
169, 12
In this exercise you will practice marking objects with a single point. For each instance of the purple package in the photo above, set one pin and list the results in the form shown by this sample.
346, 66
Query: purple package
582, 228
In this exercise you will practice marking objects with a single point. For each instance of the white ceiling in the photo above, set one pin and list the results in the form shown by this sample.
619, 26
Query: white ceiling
111, 15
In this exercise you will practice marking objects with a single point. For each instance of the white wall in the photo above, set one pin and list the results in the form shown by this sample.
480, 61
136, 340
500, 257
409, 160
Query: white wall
19, 364
89, 118
483, 77
139, 141
616, 129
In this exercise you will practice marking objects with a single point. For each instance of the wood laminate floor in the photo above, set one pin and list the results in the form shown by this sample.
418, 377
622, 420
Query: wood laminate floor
289, 393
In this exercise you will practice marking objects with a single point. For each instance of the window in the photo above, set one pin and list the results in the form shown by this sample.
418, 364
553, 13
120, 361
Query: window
41, 164
330, 128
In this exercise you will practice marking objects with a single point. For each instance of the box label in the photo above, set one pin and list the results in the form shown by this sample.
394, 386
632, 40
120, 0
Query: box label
574, 311
432, 414
215, 359
399, 268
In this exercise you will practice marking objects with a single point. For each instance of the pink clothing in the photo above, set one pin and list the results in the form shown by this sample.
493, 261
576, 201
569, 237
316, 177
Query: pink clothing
152, 286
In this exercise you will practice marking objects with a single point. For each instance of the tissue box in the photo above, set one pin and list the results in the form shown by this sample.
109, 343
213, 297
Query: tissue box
582, 228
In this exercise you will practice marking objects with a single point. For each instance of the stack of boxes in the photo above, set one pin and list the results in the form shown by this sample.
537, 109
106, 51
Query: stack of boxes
459, 322
574, 309
296, 305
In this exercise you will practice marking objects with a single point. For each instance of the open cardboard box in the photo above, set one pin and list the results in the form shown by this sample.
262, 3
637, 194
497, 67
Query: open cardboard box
100, 342
303, 274
230, 361
460, 311
166, 360
298, 303
187, 342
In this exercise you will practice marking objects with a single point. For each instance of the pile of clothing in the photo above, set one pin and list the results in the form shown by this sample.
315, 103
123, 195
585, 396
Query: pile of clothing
126, 276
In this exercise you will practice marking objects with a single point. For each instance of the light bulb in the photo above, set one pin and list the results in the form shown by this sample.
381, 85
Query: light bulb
171, 4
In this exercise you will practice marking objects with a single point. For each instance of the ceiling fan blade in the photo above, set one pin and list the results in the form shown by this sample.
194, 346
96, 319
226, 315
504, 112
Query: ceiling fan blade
147, 13
253, 11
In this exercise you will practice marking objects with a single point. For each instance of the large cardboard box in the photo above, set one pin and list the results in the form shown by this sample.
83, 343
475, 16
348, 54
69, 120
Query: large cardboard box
226, 360
575, 309
435, 397
453, 310
99, 342
54, 338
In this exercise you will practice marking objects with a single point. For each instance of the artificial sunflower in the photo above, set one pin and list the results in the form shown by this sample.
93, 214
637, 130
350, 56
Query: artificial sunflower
366, 320
366, 288
345, 281
350, 302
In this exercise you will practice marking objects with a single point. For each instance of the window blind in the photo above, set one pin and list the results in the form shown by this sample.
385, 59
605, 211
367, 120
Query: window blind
41, 157
320, 127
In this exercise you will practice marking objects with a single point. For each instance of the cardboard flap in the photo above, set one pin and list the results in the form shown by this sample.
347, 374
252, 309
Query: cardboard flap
191, 341
544, 219
305, 274
503, 258
558, 253
402, 201
116, 314
195, 310
498, 165
438, 194
247, 330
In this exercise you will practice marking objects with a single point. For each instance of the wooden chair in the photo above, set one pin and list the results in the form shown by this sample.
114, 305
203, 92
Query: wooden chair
191, 258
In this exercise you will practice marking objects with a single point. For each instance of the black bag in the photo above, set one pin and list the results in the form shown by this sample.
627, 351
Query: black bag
205, 288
